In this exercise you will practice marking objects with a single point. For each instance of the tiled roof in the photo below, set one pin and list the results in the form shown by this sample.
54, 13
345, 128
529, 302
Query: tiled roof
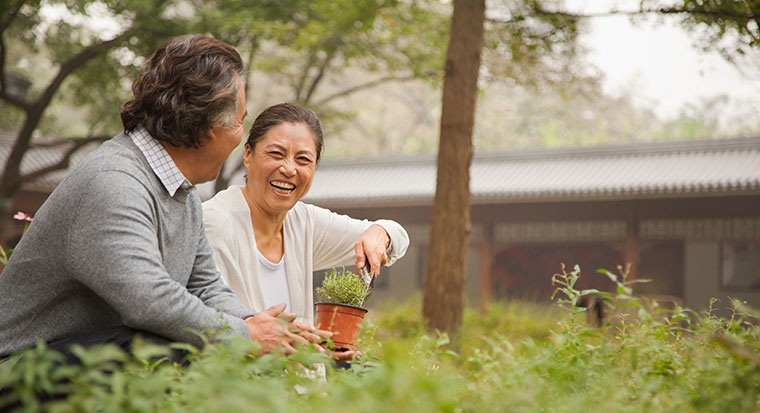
40, 157
689, 168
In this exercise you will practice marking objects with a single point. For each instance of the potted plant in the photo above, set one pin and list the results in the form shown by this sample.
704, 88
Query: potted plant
339, 307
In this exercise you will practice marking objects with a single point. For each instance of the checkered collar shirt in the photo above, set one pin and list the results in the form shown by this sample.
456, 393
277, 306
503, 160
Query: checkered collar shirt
160, 161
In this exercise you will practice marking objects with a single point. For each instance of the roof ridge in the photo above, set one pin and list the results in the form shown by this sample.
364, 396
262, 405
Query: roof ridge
612, 149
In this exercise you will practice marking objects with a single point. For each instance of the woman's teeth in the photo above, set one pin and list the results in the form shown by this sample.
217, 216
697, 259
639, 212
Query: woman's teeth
282, 187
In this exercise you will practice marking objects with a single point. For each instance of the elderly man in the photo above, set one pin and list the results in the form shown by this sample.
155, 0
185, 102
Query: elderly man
119, 249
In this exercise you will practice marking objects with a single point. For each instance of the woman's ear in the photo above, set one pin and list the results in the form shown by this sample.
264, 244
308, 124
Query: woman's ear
247, 156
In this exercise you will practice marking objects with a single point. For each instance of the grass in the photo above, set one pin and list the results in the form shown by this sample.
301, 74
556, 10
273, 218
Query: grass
519, 357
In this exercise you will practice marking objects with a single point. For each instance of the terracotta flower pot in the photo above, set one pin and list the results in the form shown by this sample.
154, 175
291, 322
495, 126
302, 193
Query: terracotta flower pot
343, 320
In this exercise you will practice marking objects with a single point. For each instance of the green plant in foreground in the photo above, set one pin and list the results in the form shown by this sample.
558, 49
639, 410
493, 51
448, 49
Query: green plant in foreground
343, 287
519, 357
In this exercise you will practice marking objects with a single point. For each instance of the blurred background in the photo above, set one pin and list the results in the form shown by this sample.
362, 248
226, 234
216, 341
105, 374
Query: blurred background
607, 133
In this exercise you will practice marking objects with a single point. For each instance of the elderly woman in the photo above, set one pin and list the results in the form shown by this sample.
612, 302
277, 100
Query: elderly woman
266, 242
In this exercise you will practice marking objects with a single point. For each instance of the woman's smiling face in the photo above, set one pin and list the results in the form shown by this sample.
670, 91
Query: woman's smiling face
281, 167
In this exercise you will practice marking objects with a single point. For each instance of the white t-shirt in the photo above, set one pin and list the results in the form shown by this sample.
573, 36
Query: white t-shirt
274, 282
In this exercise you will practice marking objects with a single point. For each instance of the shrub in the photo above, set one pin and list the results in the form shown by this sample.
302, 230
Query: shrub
520, 357
343, 287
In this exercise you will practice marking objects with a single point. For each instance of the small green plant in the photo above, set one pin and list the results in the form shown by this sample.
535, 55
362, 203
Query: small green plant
343, 287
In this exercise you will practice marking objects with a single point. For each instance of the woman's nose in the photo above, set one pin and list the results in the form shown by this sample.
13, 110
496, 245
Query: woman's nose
288, 167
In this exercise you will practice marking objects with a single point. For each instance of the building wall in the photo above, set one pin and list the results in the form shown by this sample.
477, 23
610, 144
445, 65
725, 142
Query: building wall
405, 278
679, 244
702, 279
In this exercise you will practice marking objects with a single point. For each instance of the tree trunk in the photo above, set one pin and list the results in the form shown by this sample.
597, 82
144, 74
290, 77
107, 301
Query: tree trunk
444, 280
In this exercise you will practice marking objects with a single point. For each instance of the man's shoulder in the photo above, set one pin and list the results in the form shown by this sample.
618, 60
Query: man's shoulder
116, 162
116, 154
112, 174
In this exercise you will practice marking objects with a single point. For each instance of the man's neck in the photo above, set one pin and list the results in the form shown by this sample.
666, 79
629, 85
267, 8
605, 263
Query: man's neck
188, 160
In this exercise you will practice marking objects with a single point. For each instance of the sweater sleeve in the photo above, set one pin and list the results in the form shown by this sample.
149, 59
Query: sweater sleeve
113, 249
206, 284
335, 235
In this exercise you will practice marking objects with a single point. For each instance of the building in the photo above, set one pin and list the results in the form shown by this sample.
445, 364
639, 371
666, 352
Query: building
686, 215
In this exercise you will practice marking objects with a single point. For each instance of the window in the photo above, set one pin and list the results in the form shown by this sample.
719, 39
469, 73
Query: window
740, 265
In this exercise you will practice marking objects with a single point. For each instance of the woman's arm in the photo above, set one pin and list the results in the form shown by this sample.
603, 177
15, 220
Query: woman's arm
337, 239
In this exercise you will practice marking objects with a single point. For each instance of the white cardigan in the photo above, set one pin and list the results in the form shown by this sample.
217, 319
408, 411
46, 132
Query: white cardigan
315, 239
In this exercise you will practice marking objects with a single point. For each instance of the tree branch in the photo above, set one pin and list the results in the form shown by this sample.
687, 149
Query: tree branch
663, 10
25, 106
304, 74
68, 141
254, 40
3, 81
77, 61
63, 163
11, 16
11, 174
320, 75
367, 85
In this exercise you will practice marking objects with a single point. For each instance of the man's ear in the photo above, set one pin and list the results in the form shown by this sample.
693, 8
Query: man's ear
210, 136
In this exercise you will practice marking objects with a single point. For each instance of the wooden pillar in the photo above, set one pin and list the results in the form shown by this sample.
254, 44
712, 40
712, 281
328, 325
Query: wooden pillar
486, 261
631, 249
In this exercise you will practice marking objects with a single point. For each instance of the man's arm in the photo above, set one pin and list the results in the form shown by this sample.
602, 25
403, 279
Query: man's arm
113, 250
206, 283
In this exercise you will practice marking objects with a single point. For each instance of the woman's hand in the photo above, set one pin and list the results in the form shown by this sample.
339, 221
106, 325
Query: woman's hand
343, 356
370, 247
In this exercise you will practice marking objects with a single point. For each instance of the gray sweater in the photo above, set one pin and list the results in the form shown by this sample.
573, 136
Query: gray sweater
110, 247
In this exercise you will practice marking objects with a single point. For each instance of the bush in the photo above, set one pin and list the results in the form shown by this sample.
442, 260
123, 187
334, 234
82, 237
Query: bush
521, 357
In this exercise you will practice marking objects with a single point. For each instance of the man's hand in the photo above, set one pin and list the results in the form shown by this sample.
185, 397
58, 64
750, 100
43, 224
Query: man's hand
278, 333
371, 246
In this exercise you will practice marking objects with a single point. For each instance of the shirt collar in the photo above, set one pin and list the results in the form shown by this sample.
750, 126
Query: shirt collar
160, 162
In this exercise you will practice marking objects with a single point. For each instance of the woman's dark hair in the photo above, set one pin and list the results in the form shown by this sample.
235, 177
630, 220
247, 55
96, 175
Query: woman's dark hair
187, 87
282, 113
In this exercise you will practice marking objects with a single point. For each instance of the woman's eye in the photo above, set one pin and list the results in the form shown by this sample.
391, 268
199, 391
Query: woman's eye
304, 159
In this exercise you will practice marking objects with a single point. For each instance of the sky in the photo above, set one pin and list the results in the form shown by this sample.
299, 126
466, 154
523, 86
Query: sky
658, 61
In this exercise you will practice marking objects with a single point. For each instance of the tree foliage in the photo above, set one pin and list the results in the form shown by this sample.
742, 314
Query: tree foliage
310, 48
82, 64
731, 27
319, 53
